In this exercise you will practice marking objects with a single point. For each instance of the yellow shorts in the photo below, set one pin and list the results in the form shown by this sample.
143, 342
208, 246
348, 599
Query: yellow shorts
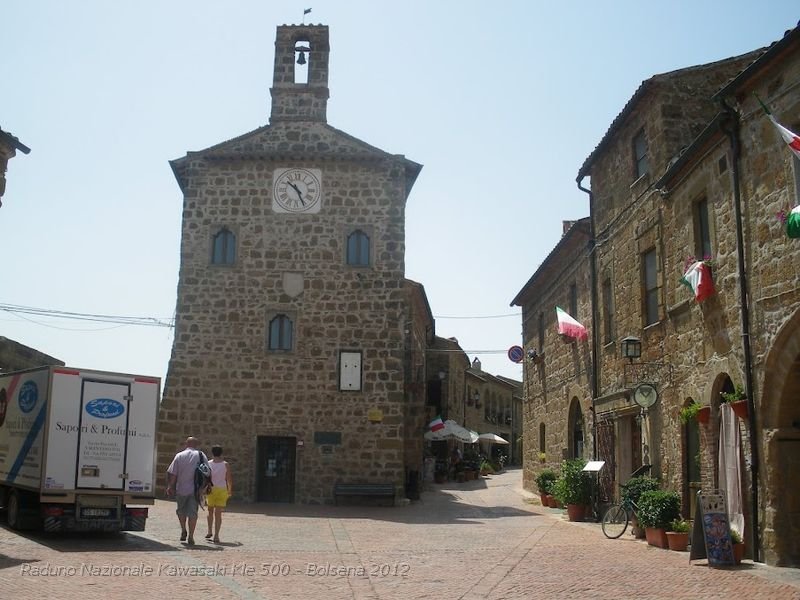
217, 498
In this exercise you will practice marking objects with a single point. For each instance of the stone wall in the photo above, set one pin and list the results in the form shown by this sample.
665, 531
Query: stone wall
561, 374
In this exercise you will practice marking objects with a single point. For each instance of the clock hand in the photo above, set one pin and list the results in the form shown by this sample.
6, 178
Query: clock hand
299, 193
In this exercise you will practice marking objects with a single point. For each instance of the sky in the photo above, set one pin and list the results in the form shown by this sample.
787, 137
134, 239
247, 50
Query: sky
501, 102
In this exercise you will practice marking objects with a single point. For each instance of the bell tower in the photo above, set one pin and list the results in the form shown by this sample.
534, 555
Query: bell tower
300, 80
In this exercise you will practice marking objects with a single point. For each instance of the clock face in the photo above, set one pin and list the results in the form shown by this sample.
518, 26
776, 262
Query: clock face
645, 395
296, 190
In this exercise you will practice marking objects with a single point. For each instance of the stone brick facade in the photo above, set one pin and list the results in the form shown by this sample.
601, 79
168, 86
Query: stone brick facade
557, 417
290, 427
716, 175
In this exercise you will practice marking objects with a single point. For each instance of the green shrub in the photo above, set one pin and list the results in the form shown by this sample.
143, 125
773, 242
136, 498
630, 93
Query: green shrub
734, 396
658, 508
574, 485
636, 486
736, 537
546, 480
679, 526
689, 412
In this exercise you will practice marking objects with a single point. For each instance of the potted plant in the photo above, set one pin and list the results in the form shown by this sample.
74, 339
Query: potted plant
695, 411
657, 509
544, 483
632, 491
678, 535
737, 399
738, 546
573, 488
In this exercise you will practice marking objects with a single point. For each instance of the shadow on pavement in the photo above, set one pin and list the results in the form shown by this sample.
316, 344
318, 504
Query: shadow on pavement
92, 542
441, 504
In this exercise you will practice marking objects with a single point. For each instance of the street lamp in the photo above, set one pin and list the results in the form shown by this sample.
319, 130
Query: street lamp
631, 348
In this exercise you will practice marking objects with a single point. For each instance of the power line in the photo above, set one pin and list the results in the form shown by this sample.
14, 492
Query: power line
518, 314
76, 316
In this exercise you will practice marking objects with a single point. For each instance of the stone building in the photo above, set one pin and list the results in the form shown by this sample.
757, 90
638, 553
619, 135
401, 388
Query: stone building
16, 357
693, 168
420, 332
292, 311
722, 195
493, 404
557, 409
8, 150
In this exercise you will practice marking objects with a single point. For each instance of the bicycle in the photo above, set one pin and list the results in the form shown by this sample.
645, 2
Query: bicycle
617, 518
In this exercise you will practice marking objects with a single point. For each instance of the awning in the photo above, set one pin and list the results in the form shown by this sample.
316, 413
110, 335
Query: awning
453, 431
492, 438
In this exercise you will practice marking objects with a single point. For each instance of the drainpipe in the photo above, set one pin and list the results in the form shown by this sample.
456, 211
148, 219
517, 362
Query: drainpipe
731, 129
595, 333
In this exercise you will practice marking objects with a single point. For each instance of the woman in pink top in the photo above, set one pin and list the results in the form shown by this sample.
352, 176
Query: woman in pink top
222, 488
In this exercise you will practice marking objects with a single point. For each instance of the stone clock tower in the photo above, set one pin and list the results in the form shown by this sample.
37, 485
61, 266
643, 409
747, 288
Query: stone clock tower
290, 317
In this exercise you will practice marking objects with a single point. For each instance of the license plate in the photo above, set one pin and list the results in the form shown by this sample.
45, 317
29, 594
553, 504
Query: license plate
96, 512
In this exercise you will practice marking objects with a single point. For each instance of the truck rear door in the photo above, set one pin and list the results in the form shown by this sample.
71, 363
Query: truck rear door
103, 434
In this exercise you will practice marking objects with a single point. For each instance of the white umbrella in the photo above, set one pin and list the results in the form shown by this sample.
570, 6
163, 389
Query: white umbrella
492, 438
453, 430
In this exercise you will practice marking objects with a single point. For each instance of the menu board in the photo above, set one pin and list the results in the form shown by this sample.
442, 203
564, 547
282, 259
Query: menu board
711, 534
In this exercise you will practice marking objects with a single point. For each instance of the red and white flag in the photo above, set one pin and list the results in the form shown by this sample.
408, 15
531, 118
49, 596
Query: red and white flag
569, 326
788, 136
698, 279
436, 425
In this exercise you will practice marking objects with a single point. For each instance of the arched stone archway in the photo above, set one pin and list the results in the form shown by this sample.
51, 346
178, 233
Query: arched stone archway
576, 430
778, 416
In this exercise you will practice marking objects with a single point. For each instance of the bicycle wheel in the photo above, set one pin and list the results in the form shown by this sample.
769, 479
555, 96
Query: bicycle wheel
615, 521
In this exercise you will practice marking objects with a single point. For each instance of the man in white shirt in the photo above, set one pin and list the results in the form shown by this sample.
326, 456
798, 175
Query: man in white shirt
181, 483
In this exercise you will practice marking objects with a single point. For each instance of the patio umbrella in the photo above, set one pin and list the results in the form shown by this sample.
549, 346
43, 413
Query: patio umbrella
492, 438
453, 430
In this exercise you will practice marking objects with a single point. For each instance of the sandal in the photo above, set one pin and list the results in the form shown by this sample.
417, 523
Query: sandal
208, 536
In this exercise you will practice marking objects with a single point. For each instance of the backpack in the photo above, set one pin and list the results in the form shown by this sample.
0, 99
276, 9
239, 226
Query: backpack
202, 479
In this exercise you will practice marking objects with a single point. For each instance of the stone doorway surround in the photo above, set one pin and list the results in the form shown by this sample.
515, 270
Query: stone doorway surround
780, 430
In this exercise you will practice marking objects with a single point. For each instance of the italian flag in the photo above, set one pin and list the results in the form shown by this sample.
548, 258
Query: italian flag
788, 136
436, 424
698, 279
569, 326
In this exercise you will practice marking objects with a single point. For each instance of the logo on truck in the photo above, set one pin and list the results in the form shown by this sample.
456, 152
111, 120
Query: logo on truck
28, 395
105, 408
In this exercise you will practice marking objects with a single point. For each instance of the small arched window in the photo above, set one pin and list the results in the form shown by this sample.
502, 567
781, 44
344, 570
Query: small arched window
358, 249
223, 251
280, 333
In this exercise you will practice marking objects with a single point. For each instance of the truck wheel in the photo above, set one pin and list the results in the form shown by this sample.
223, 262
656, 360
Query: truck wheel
14, 509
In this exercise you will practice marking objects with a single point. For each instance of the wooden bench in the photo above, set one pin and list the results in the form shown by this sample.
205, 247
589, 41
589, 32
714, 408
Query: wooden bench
373, 490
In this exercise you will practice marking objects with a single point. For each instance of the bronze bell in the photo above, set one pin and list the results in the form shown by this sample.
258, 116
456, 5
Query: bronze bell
301, 60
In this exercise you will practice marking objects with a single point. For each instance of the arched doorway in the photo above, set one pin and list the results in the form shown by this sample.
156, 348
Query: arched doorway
692, 461
575, 429
780, 465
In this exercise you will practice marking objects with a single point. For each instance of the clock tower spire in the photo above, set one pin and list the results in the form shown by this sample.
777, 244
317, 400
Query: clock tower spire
300, 80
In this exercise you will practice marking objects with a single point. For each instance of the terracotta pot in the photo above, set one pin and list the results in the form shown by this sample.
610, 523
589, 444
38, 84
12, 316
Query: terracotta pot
544, 498
576, 512
678, 541
636, 531
656, 537
552, 502
738, 553
740, 409
704, 414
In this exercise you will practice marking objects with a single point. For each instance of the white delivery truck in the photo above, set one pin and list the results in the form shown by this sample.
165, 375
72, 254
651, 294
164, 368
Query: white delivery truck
77, 449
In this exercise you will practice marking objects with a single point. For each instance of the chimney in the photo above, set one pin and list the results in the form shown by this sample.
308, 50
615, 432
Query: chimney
476, 364
566, 226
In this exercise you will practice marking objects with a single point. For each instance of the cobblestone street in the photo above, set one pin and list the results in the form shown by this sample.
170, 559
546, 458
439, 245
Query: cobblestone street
480, 539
